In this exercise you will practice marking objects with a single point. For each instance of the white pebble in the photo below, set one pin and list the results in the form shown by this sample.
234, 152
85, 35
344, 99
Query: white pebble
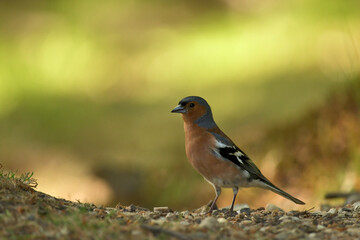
271, 207
161, 209
320, 227
356, 206
264, 229
332, 211
159, 221
222, 220
209, 223
312, 235
289, 219
328, 230
185, 223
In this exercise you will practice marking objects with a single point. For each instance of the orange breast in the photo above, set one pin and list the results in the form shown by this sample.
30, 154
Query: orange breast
198, 144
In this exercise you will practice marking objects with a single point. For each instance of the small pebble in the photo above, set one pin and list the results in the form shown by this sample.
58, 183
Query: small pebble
246, 222
159, 221
131, 208
216, 212
331, 211
209, 223
161, 209
130, 214
312, 235
222, 220
247, 211
271, 207
184, 213
170, 216
356, 206
185, 223
264, 229
320, 227
346, 210
289, 219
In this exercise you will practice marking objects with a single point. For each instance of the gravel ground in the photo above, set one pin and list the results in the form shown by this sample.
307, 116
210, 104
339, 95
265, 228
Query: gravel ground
28, 214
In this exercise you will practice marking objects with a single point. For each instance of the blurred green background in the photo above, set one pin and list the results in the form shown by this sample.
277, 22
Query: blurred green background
86, 89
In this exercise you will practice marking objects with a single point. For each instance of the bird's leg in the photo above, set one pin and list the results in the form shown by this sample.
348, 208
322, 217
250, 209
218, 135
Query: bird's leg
218, 192
235, 190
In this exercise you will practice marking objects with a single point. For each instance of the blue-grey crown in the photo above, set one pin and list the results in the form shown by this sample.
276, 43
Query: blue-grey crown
207, 120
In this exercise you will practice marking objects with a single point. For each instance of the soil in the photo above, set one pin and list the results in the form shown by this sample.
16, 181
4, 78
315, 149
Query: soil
28, 214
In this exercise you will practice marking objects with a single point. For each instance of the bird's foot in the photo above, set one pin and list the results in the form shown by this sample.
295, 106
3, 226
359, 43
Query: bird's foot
231, 213
212, 206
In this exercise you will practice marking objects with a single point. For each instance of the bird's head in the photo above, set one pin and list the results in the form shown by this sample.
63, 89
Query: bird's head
195, 110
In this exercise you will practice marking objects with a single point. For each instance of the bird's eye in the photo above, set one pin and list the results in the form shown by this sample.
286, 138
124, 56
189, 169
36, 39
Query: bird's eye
192, 105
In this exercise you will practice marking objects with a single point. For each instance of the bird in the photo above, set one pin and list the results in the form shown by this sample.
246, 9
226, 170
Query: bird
215, 156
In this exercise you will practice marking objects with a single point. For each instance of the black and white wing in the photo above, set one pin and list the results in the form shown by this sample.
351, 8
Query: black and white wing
229, 151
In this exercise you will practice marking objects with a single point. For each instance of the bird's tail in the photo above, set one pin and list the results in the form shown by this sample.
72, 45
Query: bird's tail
277, 190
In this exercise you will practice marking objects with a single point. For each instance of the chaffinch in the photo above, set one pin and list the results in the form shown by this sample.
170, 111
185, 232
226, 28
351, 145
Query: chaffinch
215, 156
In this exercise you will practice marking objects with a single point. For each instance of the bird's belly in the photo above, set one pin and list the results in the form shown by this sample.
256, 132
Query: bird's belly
219, 172
228, 182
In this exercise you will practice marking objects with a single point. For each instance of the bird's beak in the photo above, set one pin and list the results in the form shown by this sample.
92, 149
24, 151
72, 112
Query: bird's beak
179, 109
